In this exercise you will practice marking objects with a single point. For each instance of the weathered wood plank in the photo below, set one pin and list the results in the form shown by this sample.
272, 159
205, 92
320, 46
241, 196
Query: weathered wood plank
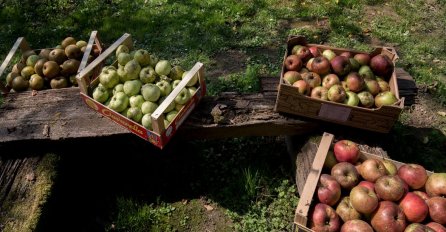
61, 114
25, 184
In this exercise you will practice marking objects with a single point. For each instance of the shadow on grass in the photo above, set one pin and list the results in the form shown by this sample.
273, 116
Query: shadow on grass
94, 173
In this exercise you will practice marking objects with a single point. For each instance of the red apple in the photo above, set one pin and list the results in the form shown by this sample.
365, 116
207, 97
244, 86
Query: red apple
346, 151
309, 64
390, 167
366, 99
421, 194
346, 54
329, 54
413, 174
320, 65
329, 80
437, 209
336, 94
293, 63
389, 188
302, 87
436, 185
291, 76
319, 92
346, 175
363, 199
414, 207
381, 65
436, 227
417, 227
356, 226
372, 86
325, 218
340, 65
329, 190
388, 217
367, 184
346, 211
314, 51
303, 53
362, 58
372, 169
355, 82
313, 79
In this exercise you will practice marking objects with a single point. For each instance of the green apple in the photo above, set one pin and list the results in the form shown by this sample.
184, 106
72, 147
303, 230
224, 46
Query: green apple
147, 75
171, 115
27, 72
182, 97
124, 58
136, 101
192, 81
122, 74
163, 67
81, 43
100, 94
351, 98
32, 60
118, 88
170, 107
166, 123
175, 83
148, 107
109, 78
176, 73
132, 87
164, 87
143, 57
147, 121
132, 69
192, 90
153, 60
119, 102
178, 107
135, 114
122, 48
366, 72
150, 92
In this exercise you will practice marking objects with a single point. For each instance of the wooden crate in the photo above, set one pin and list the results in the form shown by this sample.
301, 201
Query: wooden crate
380, 119
311, 161
22, 45
160, 135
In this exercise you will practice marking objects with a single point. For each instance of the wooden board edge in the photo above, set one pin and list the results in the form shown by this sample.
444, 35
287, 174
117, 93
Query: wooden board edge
313, 177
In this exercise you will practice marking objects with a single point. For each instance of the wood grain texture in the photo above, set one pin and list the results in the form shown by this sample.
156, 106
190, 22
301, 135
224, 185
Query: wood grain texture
61, 114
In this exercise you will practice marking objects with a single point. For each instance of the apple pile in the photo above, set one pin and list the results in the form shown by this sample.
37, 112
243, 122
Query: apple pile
140, 83
353, 79
375, 195
53, 68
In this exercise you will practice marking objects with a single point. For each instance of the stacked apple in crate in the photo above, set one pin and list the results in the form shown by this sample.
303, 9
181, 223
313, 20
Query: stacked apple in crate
149, 96
46, 68
338, 85
140, 84
363, 192
352, 79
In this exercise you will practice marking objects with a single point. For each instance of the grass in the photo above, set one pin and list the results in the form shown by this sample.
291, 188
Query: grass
254, 169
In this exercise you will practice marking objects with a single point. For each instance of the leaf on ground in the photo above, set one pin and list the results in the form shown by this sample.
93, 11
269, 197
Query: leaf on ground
208, 207
441, 113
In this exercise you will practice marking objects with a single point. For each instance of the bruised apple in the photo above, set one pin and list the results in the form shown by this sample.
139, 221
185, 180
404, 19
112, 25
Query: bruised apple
345, 174
346, 211
324, 218
329, 190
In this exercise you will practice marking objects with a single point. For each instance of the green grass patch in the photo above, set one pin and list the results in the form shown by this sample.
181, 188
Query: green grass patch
247, 82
